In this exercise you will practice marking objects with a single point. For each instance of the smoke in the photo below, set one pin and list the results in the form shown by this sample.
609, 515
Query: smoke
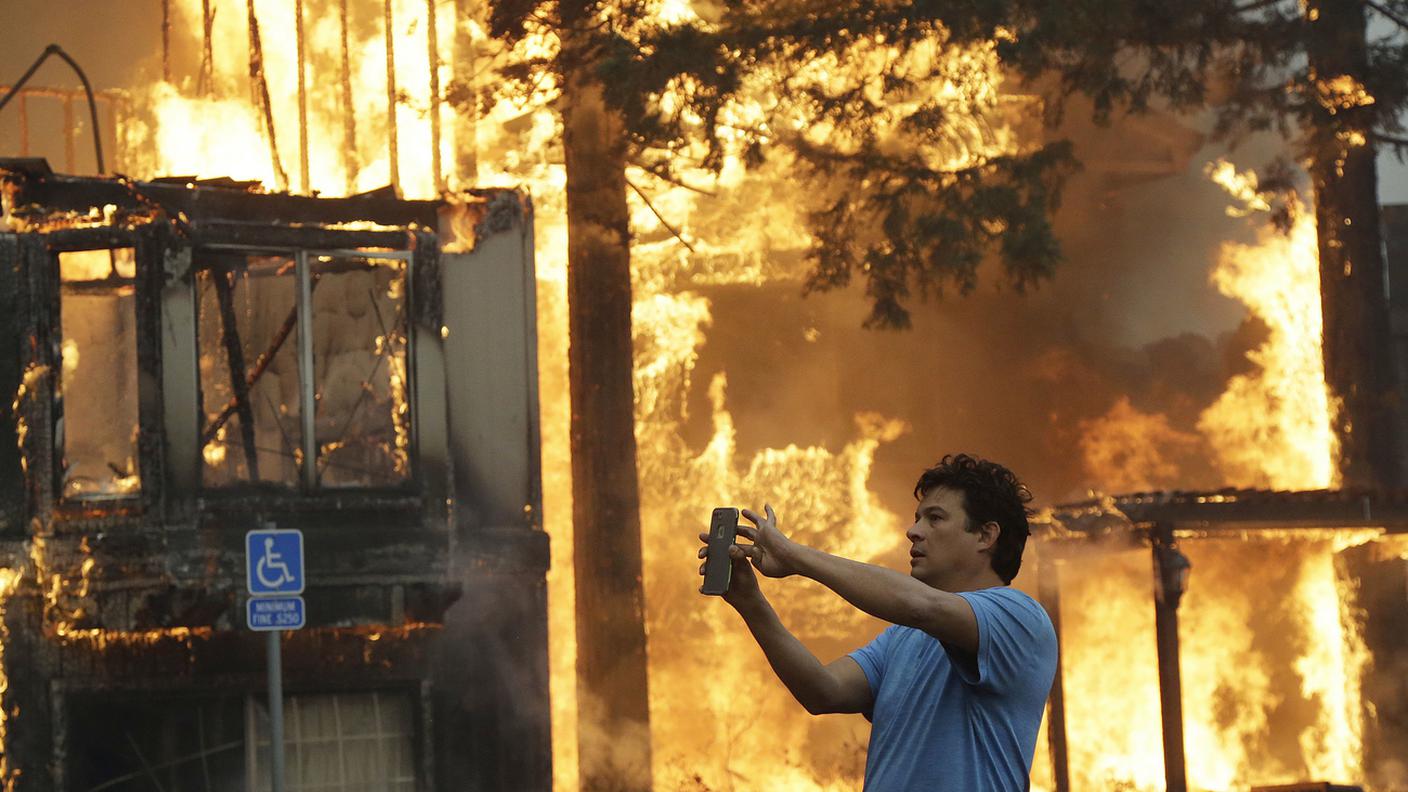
1129, 326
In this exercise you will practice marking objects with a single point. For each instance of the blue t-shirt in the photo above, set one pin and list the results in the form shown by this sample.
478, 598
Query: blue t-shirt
942, 722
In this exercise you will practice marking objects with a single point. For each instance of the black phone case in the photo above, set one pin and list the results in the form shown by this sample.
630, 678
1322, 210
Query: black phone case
718, 568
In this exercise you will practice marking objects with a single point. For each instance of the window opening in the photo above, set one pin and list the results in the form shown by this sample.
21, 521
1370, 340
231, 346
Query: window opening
343, 742
247, 308
322, 403
362, 416
137, 746
96, 426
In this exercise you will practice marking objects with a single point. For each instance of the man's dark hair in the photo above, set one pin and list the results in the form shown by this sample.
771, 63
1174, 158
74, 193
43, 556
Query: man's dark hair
991, 493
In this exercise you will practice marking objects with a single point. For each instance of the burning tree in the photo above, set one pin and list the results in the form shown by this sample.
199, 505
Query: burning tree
1307, 71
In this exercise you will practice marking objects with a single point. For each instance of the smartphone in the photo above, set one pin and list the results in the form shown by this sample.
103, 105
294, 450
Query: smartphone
718, 567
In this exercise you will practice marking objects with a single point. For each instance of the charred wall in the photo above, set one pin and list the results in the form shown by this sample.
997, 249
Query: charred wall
1394, 226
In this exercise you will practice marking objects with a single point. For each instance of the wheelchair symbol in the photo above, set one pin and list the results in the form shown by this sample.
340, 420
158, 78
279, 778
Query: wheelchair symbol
274, 562
271, 569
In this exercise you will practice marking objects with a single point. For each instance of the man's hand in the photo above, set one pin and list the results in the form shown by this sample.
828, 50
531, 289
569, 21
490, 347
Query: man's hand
772, 553
743, 588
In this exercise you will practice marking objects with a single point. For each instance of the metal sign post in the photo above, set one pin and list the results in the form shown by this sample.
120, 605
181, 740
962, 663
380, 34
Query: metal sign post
276, 710
274, 577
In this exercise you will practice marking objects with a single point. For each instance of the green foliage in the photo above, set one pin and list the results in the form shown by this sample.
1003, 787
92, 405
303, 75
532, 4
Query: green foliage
1252, 63
908, 196
911, 192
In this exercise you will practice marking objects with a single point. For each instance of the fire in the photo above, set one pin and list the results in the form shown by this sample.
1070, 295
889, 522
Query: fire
1341, 92
1272, 428
1271, 686
220, 132
1130, 451
1105, 673
750, 231
1271, 689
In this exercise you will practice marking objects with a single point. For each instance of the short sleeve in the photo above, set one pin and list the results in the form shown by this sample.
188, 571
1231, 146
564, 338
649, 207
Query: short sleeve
872, 659
1014, 633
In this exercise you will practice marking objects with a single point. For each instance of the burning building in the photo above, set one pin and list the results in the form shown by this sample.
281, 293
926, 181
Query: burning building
1245, 637
193, 359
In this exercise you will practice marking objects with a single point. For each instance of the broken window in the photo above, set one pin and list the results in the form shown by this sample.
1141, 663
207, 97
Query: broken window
96, 423
321, 404
247, 308
123, 744
344, 742
360, 325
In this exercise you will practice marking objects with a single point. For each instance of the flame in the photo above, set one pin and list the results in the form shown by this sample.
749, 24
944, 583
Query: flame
1271, 688
1341, 92
1271, 684
751, 231
34, 375
223, 134
1105, 672
67, 600
1272, 428
1127, 450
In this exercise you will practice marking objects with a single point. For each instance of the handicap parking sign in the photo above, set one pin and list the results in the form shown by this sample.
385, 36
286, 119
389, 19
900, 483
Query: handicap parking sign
274, 562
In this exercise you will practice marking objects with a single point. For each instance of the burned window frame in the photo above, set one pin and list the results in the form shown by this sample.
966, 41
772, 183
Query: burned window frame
46, 283
303, 255
423, 307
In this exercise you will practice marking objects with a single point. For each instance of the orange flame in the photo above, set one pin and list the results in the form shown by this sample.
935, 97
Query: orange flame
1272, 428
752, 232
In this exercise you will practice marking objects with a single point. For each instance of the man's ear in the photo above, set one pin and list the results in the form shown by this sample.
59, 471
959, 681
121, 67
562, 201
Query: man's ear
987, 535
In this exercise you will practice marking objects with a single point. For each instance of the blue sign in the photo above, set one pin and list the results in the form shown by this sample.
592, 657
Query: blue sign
274, 562
275, 613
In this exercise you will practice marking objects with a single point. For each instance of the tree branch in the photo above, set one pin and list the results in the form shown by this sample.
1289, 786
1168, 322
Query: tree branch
1393, 140
1396, 19
659, 216
1256, 5
667, 177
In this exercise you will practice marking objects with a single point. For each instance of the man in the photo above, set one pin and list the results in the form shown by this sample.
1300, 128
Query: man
955, 689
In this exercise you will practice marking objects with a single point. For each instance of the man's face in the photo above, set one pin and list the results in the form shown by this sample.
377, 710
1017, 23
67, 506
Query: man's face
942, 550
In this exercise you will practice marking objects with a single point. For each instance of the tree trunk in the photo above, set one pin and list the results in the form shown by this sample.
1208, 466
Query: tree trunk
614, 726
466, 63
1358, 350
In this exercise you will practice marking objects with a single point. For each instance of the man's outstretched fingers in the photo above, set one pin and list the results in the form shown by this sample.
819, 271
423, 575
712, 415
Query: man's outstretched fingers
750, 534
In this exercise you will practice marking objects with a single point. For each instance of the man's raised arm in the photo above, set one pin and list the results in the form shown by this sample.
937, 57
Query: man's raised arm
838, 687
883, 593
